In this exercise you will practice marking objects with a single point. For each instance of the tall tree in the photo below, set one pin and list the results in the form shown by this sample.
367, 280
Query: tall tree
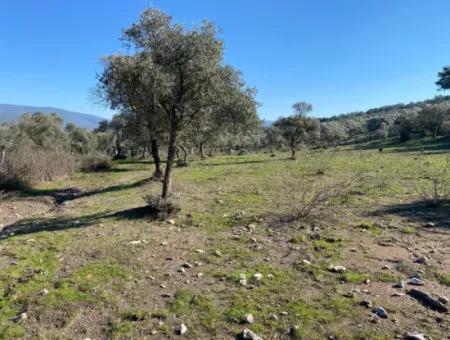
185, 73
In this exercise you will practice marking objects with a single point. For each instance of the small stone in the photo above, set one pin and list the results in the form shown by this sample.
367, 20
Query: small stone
294, 332
443, 299
366, 303
172, 222
163, 286
337, 269
247, 334
381, 312
218, 253
306, 262
374, 318
181, 329
200, 275
397, 294
251, 226
385, 267
273, 316
169, 258
284, 313
164, 243
367, 281
414, 336
248, 318
199, 251
429, 225
416, 282
242, 279
20, 317
422, 260
45, 291
258, 276
134, 243
187, 265
400, 285
166, 295
182, 270
270, 276
14, 263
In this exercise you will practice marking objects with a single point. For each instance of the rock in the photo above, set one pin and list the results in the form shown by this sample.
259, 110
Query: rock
14, 263
181, 270
416, 282
242, 279
134, 243
251, 226
20, 317
422, 260
164, 243
258, 276
284, 313
397, 294
171, 221
428, 301
414, 336
400, 285
374, 318
270, 276
273, 316
187, 265
443, 299
337, 269
45, 291
200, 275
199, 251
181, 329
247, 334
166, 295
306, 262
385, 267
294, 332
218, 253
248, 318
366, 303
381, 312
429, 225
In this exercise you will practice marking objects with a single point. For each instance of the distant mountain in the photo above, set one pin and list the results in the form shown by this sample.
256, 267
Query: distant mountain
11, 113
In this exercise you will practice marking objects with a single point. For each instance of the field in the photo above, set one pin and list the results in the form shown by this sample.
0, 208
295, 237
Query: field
82, 260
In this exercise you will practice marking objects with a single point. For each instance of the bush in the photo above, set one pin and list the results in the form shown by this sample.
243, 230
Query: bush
434, 183
303, 196
161, 208
95, 162
26, 164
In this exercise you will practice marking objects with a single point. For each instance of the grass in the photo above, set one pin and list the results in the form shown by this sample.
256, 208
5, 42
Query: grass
83, 253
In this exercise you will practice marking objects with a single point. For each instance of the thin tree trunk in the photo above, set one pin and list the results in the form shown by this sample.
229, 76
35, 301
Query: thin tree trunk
185, 153
2, 155
169, 164
202, 154
293, 153
155, 155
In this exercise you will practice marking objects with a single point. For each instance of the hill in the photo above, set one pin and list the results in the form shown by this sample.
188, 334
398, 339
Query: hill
11, 113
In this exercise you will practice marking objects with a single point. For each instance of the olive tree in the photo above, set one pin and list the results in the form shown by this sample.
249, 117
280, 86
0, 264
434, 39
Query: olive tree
184, 73
298, 128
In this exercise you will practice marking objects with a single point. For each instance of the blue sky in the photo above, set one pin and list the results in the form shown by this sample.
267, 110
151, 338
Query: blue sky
341, 56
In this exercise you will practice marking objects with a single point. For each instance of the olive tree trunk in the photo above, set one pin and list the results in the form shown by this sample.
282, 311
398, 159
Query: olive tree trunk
169, 164
155, 155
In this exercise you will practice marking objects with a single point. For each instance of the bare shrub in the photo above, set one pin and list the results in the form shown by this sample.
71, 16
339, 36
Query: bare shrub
95, 162
434, 183
303, 196
161, 208
26, 164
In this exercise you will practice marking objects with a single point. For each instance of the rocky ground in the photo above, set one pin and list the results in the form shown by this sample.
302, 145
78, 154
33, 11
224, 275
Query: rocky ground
79, 259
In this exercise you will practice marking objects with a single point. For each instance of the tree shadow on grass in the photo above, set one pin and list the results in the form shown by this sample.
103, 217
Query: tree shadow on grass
68, 194
420, 212
36, 225
244, 162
